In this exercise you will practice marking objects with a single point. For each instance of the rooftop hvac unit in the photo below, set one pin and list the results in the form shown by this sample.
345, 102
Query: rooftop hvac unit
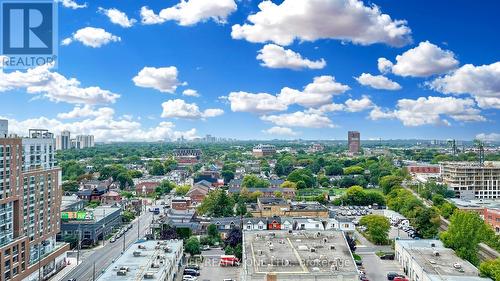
126, 268
142, 247
303, 248
433, 245
149, 275
121, 273
457, 265
260, 252
313, 250
325, 240
332, 247
435, 253
282, 241
155, 265
137, 254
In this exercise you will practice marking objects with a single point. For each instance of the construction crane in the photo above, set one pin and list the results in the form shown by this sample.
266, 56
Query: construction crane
453, 144
480, 146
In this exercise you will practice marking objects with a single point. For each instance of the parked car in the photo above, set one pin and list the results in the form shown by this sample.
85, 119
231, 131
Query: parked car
191, 272
392, 275
193, 266
189, 278
387, 256
400, 278
112, 240
205, 247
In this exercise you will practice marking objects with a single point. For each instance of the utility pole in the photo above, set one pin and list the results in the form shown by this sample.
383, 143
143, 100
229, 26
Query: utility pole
78, 244
124, 235
93, 272
138, 227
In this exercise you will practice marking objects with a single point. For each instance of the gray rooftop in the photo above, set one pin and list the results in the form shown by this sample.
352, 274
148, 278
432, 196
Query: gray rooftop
304, 255
439, 267
153, 260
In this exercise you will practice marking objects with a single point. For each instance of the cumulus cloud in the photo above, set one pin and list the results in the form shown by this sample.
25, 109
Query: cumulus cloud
281, 131
430, 111
378, 82
488, 137
163, 79
180, 109
315, 94
424, 60
332, 107
105, 128
274, 56
72, 4
91, 37
191, 12
118, 17
86, 111
346, 20
481, 82
384, 65
299, 119
190, 93
54, 86
358, 105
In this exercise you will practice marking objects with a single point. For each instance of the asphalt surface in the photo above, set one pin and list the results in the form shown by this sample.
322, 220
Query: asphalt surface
103, 257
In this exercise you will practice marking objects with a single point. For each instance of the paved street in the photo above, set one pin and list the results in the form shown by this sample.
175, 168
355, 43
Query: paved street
104, 256
377, 269
211, 271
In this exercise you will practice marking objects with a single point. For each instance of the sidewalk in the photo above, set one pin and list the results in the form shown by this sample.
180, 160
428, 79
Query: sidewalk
60, 275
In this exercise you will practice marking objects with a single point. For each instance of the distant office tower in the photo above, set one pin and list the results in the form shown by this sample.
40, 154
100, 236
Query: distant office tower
63, 141
354, 142
470, 180
4, 128
30, 202
84, 141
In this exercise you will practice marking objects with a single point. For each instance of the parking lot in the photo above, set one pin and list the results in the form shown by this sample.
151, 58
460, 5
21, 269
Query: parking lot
211, 271
377, 269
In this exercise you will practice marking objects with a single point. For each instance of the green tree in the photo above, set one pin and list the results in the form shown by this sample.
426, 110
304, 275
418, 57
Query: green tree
157, 169
390, 182
193, 246
354, 170
377, 228
217, 204
70, 186
465, 232
302, 177
212, 231
125, 180
227, 175
289, 184
491, 269
181, 190
252, 181
165, 187
284, 165
334, 169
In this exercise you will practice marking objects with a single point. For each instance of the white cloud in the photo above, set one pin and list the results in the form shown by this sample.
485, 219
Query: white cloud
191, 12
274, 56
92, 37
105, 128
118, 17
430, 111
86, 111
315, 94
180, 109
256, 103
190, 93
424, 60
282, 131
481, 82
378, 82
299, 119
54, 86
359, 105
72, 4
163, 79
347, 20
488, 137
384, 65
332, 107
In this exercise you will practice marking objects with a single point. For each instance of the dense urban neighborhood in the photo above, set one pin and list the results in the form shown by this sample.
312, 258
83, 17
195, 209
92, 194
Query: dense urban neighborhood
242, 210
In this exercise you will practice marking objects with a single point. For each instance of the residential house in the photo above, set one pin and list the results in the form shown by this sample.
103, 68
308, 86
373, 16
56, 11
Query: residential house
286, 223
198, 192
92, 194
111, 198
343, 224
146, 187
307, 224
180, 203
274, 223
254, 224
225, 224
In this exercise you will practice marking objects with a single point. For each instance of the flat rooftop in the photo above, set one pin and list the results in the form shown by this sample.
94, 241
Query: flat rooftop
305, 255
146, 258
439, 266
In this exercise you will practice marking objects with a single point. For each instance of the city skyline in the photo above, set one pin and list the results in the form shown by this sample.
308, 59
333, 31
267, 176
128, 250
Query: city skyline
128, 72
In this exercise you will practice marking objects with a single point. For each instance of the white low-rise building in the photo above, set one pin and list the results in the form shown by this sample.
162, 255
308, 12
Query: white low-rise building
429, 260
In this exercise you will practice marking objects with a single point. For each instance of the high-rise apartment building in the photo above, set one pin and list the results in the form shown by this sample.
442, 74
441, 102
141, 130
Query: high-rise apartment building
30, 199
4, 128
84, 141
39, 150
63, 141
354, 142
263, 150
473, 181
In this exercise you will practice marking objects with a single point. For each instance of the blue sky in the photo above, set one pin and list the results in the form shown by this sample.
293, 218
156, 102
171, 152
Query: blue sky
446, 83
